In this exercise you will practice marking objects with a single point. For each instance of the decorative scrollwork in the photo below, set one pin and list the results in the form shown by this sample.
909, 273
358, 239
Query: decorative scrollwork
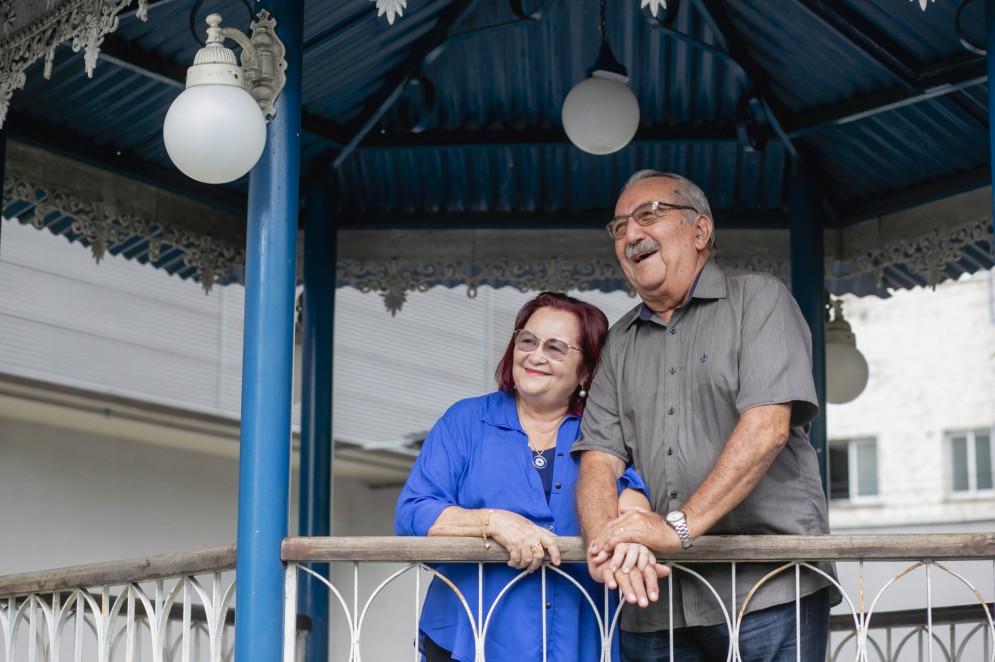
395, 278
30, 31
102, 228
927, 254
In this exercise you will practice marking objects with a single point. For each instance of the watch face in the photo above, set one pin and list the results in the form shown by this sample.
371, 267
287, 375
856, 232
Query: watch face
675, 516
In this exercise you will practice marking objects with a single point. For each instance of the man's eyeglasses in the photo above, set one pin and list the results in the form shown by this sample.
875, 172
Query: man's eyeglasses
646, 214
554, 348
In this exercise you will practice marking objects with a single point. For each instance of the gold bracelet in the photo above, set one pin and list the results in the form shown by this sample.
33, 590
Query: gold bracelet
483, 531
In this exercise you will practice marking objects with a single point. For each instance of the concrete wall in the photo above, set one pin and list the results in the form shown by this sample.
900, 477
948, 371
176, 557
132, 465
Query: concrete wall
72, 497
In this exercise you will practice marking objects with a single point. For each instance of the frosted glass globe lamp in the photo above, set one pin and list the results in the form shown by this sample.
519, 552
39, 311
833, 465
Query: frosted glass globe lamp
601, 114
846, 367
215, 131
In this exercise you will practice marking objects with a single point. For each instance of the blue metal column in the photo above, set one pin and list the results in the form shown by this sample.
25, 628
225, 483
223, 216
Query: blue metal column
267, 359
320, 251
808, 286
990, 46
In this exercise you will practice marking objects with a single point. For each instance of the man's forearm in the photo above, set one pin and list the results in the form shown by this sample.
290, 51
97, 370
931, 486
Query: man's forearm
597, 491
752, 447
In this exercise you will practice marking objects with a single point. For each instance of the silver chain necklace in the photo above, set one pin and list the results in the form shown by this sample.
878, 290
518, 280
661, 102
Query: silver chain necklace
538, 461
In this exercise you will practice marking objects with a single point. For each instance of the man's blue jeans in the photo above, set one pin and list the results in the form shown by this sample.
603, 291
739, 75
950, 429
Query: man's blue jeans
767, 635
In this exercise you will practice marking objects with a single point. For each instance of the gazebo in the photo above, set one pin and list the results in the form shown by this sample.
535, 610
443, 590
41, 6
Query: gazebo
842, 146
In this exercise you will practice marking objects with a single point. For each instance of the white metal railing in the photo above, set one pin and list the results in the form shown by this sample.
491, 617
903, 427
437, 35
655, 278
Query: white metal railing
180, 607
958, 633
950, 577
163, 609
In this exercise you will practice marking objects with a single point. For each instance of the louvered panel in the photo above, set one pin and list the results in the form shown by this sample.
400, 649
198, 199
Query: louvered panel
117, 327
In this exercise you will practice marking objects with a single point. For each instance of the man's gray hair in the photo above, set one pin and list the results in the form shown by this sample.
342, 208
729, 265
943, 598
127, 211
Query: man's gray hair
687, 191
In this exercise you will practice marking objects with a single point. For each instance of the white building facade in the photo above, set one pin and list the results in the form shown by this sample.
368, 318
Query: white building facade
917, 442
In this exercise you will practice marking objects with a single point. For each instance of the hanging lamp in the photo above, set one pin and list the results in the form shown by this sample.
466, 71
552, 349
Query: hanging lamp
601, 114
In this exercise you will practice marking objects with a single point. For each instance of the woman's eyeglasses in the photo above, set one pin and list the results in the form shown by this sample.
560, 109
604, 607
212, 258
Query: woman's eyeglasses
554, 348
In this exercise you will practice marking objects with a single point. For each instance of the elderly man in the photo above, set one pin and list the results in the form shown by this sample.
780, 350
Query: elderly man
706, 387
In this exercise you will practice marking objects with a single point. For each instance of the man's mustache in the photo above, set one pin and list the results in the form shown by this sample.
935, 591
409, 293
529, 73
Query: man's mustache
644, 246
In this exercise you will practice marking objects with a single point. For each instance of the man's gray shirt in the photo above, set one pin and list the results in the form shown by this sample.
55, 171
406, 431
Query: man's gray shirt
667, 397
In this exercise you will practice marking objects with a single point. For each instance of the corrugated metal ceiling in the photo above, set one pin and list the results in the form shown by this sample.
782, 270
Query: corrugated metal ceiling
499, 72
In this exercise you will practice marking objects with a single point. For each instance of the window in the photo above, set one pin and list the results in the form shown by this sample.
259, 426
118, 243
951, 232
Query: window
853, 469
970, 462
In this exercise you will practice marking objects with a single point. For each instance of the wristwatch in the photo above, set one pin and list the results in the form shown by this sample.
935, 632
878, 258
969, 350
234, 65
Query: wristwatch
676, 519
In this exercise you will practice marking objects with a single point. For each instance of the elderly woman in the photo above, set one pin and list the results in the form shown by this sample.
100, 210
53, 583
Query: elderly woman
499, 467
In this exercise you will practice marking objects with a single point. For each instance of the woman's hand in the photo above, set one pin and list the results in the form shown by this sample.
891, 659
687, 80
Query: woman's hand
636, 573
526, 543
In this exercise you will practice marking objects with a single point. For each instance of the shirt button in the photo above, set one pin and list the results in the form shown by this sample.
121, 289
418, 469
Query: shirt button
673, 370
673, 495
557, 486
549, 526
549, 605
559, 455
670, 451
673, 330
670, 411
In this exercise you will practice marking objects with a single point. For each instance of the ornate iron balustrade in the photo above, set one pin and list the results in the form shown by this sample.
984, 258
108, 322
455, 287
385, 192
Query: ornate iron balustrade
872, 568
164, 608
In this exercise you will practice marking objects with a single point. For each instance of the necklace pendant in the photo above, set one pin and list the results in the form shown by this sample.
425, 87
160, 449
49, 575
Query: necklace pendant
539, 462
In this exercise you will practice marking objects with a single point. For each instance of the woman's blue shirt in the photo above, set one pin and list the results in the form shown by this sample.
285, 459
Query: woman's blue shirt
477, 456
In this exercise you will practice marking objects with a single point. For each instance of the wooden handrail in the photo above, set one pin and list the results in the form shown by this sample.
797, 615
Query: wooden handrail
143, 569
867, 547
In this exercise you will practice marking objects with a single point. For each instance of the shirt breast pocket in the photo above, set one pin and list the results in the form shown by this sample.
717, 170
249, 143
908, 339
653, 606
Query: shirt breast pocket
716, 375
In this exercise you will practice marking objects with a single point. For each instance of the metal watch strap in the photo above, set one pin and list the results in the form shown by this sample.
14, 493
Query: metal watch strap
681, 527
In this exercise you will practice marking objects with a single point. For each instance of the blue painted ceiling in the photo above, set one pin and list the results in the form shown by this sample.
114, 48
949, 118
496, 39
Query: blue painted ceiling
456, 107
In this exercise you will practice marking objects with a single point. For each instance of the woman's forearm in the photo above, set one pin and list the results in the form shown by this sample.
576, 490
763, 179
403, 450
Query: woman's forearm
456, 521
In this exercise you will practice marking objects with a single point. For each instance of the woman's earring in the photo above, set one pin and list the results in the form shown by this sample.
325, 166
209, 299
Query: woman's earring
582, 393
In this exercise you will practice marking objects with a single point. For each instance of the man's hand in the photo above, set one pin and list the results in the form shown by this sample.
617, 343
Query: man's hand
601, 572
639, 526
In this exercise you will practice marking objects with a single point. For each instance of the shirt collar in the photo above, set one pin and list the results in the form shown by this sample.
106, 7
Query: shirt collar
502, 412
710, 283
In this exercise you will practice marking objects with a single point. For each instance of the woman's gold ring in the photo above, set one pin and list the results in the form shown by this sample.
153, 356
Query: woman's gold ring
536, 549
